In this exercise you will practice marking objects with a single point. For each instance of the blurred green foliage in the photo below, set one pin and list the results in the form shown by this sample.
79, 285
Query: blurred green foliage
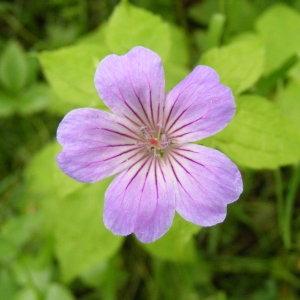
53, 244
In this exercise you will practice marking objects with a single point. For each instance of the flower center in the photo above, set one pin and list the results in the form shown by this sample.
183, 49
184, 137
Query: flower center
155, 141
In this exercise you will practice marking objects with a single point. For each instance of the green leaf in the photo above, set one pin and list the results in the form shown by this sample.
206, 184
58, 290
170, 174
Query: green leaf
72, 212
33, 68
31, 270
95, 37
176, 65
174, 74
81, 238
178, 53
27, 293
13, 67
259, 136
294, 72
7, 104
279, 28
289, 102
44, 178
267, 84
58, 292
177, 244
70, 71
108, 276
20, 229
130, 26
8, 285
36, 98
8, 249
33, 99
239, 64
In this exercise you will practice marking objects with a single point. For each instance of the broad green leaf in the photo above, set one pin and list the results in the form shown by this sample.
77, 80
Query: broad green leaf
294, 72
20, 229
174, 74
27, 293
81, 238
259, 136
95, 37
44, 178
177, 244
279, 28
8, 249
58, 292
70, 71
178, 53
36, 98
7, 104
33, 99
72, 212
130, 26
8, 286
107, 275
239, 64
176, 65
60, 107
289, 103
267, 84
33, 68
13, 67
31, 270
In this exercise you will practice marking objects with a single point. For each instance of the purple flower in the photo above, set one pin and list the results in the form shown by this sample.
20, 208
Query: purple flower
147, 142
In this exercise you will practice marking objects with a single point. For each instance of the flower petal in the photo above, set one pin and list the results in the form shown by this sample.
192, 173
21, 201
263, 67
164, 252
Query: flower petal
206, 181
199, 106
96, 144
132, 85
140, 200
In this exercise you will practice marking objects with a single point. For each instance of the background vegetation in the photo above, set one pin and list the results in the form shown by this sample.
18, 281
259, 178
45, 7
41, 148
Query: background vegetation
53, 244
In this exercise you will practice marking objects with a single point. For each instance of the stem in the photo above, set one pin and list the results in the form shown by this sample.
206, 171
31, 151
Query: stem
290, 200
285, 206
215, 30
213, 240
279, 201
181, 13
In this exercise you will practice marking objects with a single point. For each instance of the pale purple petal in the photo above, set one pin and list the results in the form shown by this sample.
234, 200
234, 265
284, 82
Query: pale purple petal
96, 144
199, 106
132, 85
206, 181
141, 200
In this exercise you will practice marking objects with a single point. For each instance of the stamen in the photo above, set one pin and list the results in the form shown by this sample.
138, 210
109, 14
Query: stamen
155, 141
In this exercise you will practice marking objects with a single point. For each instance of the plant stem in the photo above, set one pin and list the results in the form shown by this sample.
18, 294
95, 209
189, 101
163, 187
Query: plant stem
289, 204
182, 17
285, 204
279, 200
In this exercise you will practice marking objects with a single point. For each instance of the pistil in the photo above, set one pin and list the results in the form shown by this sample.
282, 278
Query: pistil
155, 141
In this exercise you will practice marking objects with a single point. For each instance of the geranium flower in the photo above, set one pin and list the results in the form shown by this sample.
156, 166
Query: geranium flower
147, 142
